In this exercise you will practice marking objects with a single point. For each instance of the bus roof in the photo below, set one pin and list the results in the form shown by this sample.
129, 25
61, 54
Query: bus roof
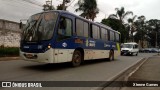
96, 23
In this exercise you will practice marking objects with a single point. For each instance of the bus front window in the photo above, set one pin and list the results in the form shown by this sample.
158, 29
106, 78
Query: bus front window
40, 27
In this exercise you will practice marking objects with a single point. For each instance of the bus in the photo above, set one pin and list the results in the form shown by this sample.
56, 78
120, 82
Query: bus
59, 36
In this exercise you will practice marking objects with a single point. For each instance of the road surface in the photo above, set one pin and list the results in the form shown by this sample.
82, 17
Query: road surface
98, 70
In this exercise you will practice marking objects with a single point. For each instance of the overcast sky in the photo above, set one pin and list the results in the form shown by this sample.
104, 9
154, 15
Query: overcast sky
19, 9
148, 8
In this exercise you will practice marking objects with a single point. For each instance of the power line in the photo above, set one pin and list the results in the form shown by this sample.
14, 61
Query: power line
103, 13
35, 3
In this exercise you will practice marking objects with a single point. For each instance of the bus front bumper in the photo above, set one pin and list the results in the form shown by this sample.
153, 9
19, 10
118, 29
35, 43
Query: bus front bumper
46, 57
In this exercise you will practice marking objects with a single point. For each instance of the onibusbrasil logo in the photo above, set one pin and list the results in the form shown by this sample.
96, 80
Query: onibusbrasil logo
21, 84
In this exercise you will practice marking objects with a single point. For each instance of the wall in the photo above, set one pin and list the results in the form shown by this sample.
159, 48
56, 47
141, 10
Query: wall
9, 33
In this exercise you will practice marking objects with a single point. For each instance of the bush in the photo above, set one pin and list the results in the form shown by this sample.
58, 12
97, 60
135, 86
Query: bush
9, 51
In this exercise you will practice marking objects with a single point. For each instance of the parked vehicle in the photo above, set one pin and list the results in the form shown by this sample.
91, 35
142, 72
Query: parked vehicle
130, 49
149, 50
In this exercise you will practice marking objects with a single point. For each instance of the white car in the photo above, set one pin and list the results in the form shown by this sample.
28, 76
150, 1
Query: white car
129, 49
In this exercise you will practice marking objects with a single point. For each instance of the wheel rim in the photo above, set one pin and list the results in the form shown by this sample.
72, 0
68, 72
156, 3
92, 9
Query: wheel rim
77, 59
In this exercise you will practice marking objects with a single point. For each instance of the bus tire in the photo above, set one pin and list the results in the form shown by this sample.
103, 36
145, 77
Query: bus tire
111, 55
76, 58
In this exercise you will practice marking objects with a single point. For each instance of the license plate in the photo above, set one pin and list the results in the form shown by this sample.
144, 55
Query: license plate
29, 55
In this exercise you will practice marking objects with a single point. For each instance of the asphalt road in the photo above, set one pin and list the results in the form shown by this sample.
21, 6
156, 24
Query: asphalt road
94, 70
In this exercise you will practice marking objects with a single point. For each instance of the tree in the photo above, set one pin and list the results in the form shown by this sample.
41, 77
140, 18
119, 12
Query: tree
88, 7
48, 6
154, 31
132, 26
117, 20
116, 25
63, 6
141, 30
120, 14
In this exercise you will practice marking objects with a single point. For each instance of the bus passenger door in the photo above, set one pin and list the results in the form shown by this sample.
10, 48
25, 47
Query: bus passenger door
64, 33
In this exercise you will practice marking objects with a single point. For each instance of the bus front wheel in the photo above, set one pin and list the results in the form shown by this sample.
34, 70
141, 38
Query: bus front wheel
77, 58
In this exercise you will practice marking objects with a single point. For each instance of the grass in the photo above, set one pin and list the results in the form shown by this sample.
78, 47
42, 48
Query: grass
9, 51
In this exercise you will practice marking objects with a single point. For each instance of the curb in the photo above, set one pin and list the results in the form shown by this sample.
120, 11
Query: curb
104, 85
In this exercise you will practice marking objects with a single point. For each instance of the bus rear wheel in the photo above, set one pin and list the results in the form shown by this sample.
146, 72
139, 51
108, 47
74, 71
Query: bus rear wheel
111, 55
77, 58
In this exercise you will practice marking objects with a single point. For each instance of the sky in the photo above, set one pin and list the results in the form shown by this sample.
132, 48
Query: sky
15, 10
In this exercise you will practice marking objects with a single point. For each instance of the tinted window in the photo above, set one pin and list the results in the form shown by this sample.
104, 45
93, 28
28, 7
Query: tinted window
111, 35
98, 33
86, 27
95, 32
136, 46
79, 27
117, 37
104, 34
64, 28
68, 27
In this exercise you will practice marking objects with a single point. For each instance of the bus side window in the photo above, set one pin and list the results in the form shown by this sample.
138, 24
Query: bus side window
112, 36
79, 27
64, 28
117, 37
95, 32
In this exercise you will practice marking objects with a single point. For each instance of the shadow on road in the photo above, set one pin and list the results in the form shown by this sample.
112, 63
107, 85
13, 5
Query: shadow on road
62, 66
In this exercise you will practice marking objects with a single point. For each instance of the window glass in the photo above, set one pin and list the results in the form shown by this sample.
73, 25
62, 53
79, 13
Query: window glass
40, 27
79, 27
68, 27
106, 35
94, 31
136, 46
103, 32
111, 35
98, 33
86, 29
64, 28
117, 37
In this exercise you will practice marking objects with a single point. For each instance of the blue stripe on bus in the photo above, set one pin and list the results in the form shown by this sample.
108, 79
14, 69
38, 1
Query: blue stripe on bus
85, 43
71, 43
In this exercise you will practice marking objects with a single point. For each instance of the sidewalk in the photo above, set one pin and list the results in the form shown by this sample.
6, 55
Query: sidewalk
9, 58
149, 71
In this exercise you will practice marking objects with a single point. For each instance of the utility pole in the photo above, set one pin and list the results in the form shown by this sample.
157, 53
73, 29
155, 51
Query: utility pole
63, 5
48, 5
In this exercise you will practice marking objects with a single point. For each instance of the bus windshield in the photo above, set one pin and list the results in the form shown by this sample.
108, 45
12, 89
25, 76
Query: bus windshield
40, 27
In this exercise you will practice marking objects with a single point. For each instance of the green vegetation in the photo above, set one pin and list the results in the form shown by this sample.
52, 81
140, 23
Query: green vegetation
134, 29
9, 51
88, 8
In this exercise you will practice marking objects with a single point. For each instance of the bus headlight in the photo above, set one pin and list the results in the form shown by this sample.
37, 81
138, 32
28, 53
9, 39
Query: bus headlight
49, 46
